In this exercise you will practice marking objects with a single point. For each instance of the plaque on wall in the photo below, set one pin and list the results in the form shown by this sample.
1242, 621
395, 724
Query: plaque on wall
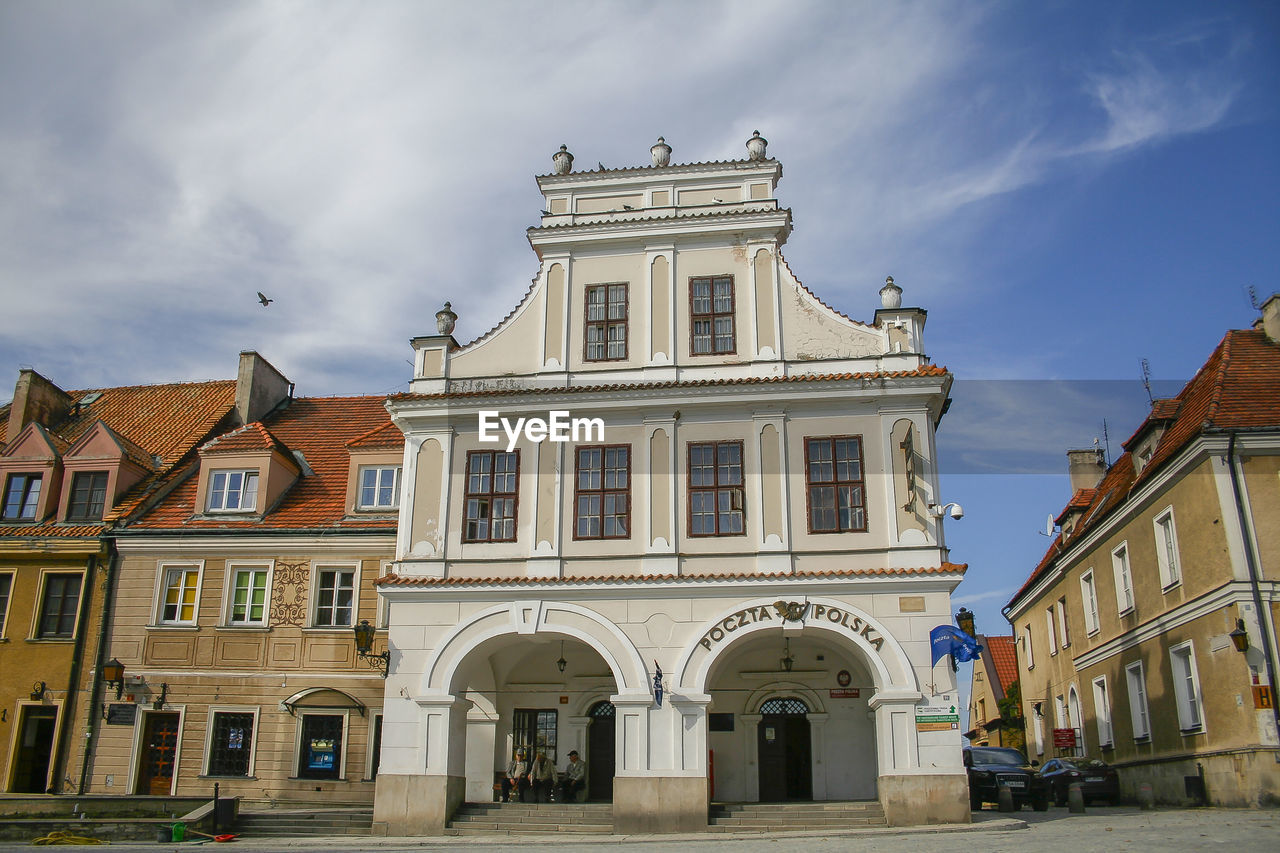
122, 714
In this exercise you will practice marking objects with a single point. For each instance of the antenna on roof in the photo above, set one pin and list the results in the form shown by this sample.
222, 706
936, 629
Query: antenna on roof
1146, 381
1106, 438
1253, 298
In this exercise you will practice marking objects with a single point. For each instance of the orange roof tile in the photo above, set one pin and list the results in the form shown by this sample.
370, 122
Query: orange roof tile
1238, 388
387, 435
317, 427
249, 437
1003, 659
393, 579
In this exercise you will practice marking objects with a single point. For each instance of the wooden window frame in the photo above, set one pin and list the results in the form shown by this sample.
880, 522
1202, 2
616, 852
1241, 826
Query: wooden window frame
712, 315
607, 322
835, 483
84, 512
514, 494
27, 478
716, 488
6, 599
181, 570
42, 603
602, 492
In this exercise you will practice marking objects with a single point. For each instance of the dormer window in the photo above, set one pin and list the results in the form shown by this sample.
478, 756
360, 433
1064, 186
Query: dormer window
88, 496
233, 491
379, 487
21, 496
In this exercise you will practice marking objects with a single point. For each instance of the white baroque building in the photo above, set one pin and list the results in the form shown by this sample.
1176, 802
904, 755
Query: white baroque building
752, 512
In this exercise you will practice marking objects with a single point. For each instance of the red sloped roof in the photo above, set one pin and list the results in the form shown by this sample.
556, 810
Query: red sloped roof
387, 435
318, 428
250, 437
521, 580
1237, 388
1004, 659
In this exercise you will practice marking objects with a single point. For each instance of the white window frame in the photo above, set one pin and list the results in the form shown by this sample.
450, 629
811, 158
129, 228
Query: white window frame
1051, 624
1124, 579
229, 592
253, 742
1060, 711
1026, 646
1167, 549
1089, 603
1064, 630
382, 619
1037, 722
162, 590
314, 605
1139, 712
245, 475
395, 471
1190, 707
1102, 712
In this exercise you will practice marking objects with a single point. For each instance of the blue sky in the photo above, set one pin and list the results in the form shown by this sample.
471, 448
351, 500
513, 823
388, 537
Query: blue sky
1066, 187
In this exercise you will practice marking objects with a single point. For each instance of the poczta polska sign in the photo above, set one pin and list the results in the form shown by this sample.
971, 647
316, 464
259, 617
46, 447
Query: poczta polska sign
791, 611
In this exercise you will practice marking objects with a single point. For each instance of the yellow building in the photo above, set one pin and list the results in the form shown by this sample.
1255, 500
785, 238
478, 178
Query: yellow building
1146, 635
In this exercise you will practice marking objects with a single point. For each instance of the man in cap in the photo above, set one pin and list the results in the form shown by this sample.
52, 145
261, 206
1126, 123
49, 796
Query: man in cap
517, 777
575, 777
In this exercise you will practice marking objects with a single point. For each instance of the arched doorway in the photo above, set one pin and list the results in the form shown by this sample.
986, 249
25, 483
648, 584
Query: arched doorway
786, 759
600, 752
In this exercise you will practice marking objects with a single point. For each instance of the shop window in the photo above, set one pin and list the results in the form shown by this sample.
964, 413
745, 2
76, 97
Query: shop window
716, 498
320, 756
492, 498
88, 496
534, 731
181, 587
602, 493
335, 598
59, 604
606, 323
833, 475
711, 315
231, 743
21, 496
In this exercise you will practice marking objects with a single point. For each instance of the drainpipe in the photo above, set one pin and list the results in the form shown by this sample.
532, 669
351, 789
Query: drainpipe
1254, 583
95, 692
77, 657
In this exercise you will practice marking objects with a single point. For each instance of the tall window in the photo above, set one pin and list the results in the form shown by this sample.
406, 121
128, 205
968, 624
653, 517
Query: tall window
492, 498
606, 328
1089, 599
1037, 730
1027, 654
1167, 550
88, 496
6, 584
21, 495
58, 606
1137, 683
711, 315
249, 597
534, 731
1102, 710
715, 489
833, 475
1124, 581
233, 491
179, 604
320, 753
601, 492
1051, 626
1064, 627
335, 597
380, 487
1186, 688
230, 744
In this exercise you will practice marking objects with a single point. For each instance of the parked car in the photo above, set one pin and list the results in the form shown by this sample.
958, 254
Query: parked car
1098, 780
991, 768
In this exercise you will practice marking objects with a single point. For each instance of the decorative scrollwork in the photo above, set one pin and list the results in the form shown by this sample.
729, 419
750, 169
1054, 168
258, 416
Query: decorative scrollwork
289, 598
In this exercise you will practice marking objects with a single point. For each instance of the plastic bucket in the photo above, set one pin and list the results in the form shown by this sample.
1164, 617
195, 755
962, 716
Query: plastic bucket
179, 832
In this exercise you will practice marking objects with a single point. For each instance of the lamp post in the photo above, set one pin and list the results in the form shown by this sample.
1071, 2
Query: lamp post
561, 663
964, 621
787, 660
364, 648
113, 675
1240, 637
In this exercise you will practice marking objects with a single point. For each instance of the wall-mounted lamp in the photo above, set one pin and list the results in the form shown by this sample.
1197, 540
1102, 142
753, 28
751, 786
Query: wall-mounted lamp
162, 698
364, 648
1240, 637
1038, 707
787, 660
964, 621
113, 675
561, 663
38, 690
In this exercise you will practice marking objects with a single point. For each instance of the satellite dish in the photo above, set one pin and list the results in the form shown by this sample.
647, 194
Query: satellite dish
1048, 526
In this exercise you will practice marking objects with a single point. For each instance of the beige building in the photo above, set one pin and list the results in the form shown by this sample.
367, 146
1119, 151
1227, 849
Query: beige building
1128, 632
704, 548
993, 680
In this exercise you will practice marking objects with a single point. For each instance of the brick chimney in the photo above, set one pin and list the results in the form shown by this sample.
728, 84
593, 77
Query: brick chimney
36, 399
1087, 468
259, 387
1269, 322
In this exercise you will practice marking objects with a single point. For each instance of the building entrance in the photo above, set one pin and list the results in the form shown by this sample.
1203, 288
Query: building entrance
786, 762
159, 749
600, 752
35, 746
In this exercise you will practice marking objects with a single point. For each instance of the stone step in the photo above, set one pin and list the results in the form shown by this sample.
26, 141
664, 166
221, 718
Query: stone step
516, 829
767, 821
783, 827
531, 818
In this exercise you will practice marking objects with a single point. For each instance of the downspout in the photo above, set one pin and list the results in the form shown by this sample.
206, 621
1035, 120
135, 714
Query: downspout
1254, 582
77, 665
95, 692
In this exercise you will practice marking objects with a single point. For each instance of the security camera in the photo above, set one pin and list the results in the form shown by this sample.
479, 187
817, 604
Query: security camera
952, 509
957, 512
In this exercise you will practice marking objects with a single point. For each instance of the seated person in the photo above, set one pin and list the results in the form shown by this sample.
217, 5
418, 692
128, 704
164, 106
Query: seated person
517, 778
575, 778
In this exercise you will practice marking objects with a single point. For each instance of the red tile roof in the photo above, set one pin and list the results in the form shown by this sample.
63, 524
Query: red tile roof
1000, 652
924, 371
387, 435
400, 580
319, 428
250, 437
1238, 388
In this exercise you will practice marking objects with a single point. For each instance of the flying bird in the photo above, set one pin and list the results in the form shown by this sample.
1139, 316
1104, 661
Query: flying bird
264, 300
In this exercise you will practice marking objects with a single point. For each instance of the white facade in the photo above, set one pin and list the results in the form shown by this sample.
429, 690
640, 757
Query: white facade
763, 489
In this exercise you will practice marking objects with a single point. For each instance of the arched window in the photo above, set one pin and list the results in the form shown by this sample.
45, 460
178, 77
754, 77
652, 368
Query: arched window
601, 709
789, 705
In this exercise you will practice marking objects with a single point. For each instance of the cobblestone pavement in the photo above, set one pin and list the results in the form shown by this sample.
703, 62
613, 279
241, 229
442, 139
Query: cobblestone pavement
1101, 830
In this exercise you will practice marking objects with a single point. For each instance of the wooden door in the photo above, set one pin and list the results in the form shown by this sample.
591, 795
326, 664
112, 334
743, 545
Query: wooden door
159, 752
785, 758
600, 753
35, 749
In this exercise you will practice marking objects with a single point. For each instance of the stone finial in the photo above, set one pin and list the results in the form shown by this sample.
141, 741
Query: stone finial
756, 145
445, 318
562, 161
890, 294
661, 153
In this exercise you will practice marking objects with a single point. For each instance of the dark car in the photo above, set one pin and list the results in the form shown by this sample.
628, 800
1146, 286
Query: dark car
994, 767
1098, 780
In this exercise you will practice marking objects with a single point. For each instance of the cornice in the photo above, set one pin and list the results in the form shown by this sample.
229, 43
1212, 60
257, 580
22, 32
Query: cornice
381, 545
